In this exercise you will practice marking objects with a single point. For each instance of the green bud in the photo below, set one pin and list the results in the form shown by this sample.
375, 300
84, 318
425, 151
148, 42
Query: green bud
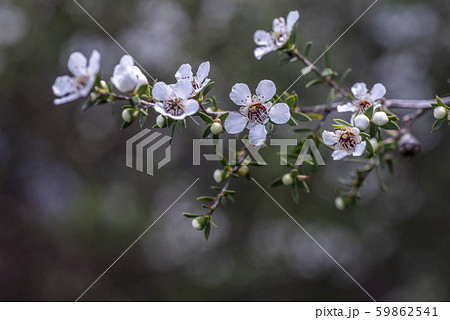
243, 171
439, 113
199, 223
161, 121
287, 179
218, 175
216, 128
128, 115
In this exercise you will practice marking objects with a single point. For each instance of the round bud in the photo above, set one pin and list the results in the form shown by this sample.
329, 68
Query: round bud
408, 145
439, 113
209, 110
339, 203
361, 122
287, 179
218, 175
216, 128
199, 223
128, 115
103, 85
243, 171
380, 118
161, 121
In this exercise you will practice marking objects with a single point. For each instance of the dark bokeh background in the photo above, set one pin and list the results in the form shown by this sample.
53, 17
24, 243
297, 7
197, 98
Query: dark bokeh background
69, 206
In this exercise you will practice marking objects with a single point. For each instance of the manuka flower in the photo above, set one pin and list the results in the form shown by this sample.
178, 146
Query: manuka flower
364, 98
69, 88
277, 38
256, 111
198, 81
174, 99
347, 142
126, 76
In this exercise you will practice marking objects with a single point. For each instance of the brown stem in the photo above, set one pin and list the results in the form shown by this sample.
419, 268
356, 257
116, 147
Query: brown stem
318, 72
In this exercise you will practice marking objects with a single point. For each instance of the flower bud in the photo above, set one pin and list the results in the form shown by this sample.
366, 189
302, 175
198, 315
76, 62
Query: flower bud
339, 203
361, 122
439, 113
128, 115
408, 145
380, 118
160, 121
216, 128
104, 85
218, 175
199, 223
210, 109
243, 170
287, 179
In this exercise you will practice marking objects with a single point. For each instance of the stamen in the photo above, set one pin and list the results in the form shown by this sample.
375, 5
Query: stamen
348, 140
257, 113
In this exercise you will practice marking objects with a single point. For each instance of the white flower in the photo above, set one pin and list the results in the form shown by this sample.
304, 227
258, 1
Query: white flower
364, 98
380, 118
347, 141
256, 111
277, 38
68, 88
174, 99
361, 122
126, 76
198, 81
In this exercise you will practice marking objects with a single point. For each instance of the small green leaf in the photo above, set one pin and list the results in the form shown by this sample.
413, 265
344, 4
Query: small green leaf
276, 183
439, 102
307, 48
205, 117
369, 112
207, 131
223, 116
295, 193
269, 127
143, 89
344, 75
437, 124
207, 230
207, 88
391, 125
291, 101
292, 122
206, 102
89, 104
142, 119
342, 123
125, 125
300, 116
205, 198
190, 215
369, 147
316, 116
327, 72
313, 83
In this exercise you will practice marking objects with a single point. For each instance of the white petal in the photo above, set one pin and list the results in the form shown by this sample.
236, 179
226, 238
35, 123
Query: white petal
355, 131
159, 107
262, 38
126, 60
77, 64
240, 94
339, 154
68, 98
266, 90
140, 77
184, 72
257, 135
161, 91
94, 62
123, 79
329, 138
191, 107
86, 89
203, 71
359, 150
278, 24
291, 19
378, 91
183, 89
261, 51
359, 89
235, 123
279, 113
63, 85
349, 107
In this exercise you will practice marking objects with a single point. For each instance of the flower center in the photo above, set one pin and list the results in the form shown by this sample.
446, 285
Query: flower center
257, 113
363, 105
348, 140
82, 81
174, 106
